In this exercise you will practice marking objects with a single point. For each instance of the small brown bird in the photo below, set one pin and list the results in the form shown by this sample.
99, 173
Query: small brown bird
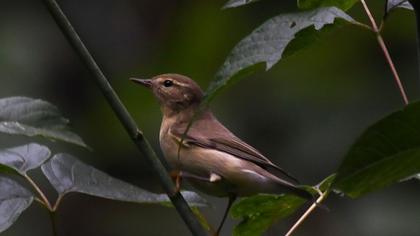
211, 158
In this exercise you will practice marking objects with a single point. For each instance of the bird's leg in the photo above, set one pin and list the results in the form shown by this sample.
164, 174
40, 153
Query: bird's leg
232, 198
176, 176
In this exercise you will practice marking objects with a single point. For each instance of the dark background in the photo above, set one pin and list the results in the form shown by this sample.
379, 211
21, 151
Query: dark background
303, 114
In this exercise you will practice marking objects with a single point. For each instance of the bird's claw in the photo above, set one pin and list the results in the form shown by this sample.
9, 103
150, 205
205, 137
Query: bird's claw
177, 178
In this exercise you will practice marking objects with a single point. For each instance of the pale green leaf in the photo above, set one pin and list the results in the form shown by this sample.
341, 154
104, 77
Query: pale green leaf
25, 157
14, 199
33, 117
266, 44
67, 174
392, 4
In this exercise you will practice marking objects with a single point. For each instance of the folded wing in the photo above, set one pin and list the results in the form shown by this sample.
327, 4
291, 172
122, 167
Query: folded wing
223, 140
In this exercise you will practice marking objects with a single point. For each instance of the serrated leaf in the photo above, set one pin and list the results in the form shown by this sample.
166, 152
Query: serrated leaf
67, 174
14, 199
24, 158
258, 213
33, 117
267, 43
237, 3
311, 4
392, 4
387, 152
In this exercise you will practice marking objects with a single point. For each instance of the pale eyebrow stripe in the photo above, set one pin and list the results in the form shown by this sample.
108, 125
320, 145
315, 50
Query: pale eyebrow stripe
180, 84
175, 82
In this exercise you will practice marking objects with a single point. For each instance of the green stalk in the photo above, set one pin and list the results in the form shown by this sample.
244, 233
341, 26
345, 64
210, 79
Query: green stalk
125, 118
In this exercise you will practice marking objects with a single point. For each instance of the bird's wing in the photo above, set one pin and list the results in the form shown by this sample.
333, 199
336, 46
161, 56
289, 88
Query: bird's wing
229, 144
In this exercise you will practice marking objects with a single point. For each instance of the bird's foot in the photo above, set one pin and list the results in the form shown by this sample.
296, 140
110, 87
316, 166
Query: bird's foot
176, 176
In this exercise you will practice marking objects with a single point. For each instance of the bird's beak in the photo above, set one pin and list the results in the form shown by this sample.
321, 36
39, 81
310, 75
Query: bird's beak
145, 82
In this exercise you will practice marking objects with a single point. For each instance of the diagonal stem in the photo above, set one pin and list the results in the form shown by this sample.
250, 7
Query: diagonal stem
125, 118
53, 222
381, 42
307, 213
43, 199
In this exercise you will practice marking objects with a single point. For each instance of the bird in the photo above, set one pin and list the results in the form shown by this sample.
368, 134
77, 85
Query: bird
209, 155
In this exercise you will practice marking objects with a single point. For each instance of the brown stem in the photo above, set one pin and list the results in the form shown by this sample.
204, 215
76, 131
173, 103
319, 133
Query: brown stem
386, 52
125, 118
43, 199
321, 197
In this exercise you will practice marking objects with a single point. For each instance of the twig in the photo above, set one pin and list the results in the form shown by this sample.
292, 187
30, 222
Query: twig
57, 202
53, 223
125, 118
321, 197
43, 199
381, 42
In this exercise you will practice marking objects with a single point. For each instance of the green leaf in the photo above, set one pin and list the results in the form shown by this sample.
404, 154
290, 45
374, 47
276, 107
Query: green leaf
14, 199
67, 174
259, 212
342, 4
25, 157
32, 117
267, 43
325, 184
387, 152
237, 3
392, 4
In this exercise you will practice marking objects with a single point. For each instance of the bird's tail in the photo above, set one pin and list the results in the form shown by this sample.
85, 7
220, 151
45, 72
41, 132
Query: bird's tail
300, 191
303, 193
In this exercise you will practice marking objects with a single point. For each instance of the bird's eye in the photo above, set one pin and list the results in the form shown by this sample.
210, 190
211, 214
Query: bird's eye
168, 83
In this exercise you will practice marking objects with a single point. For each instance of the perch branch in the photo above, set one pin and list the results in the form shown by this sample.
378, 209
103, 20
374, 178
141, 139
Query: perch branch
125, 118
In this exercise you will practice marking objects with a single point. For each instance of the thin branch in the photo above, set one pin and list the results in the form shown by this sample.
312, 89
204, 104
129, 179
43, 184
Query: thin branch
321, 197
37, 199
57, 202
43, 199
381, 42
53, 222
125, 118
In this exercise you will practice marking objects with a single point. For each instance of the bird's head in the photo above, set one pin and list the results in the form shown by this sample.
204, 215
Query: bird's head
174, 92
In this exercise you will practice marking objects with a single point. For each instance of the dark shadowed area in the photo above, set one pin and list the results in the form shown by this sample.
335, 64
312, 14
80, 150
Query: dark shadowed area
303, 114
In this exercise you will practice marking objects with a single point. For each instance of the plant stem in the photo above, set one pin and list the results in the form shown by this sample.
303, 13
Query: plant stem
57, 202
53, 223
125, 118
307, 212
386, 52
43, 199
